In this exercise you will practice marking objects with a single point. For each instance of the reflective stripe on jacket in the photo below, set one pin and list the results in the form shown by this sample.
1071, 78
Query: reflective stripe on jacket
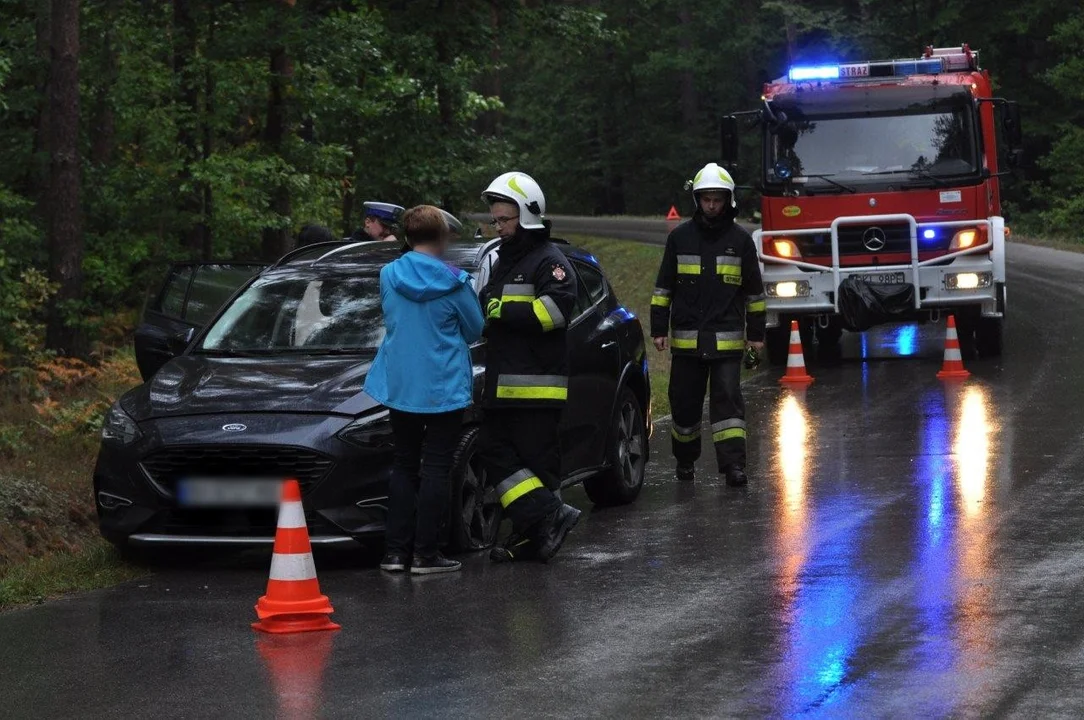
526, 349
709, 297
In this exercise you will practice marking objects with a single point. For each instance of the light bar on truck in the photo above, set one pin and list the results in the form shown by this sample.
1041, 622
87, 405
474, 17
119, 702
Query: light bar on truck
868, 70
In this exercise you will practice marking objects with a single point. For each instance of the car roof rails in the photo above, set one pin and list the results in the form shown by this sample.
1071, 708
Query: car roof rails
311, 248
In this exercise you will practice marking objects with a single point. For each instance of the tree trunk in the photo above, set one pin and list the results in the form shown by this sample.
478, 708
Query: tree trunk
276, 240
189, 197
65, 233
348, 190
688, 77
104, 125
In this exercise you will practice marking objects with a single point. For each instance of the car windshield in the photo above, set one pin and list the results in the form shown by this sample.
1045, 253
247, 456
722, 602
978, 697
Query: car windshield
926, 141
303, 312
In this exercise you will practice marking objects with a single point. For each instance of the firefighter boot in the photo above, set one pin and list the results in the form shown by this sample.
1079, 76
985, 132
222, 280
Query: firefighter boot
685, 472
515, 548
554, 530
735, 476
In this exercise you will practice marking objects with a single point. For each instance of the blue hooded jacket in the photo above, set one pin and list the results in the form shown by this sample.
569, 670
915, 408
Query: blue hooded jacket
431, 315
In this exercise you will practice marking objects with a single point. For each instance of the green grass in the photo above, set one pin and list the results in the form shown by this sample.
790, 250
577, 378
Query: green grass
95, 564
631, 268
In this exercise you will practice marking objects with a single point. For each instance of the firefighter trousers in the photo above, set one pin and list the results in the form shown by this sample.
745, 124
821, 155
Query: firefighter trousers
689, 378
520, 452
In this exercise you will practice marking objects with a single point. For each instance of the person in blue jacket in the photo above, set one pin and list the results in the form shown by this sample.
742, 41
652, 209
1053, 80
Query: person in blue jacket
423, 374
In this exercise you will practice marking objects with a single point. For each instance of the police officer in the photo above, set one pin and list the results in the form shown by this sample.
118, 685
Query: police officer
381, 222
709, 300
528, 302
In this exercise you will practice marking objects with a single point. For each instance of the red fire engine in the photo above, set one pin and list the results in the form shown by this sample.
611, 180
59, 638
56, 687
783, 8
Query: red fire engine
880, 196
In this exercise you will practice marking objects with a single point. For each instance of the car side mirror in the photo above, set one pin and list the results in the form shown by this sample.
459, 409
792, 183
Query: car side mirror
1010, 126
178, 342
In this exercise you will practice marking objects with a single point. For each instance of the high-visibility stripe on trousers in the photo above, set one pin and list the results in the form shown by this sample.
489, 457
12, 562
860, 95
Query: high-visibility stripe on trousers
532, 387
517, 485
689, 381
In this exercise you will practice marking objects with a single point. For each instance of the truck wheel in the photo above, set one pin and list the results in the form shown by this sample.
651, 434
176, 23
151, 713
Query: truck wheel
777, 342
989, 336
475, 513
620, 483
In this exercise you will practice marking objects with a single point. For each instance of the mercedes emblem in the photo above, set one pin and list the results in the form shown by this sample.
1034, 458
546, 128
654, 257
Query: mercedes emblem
874, 239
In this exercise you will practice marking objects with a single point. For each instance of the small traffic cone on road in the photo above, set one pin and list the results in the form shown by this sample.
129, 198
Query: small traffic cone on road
293, 602
796, 373
673, 214
953, 366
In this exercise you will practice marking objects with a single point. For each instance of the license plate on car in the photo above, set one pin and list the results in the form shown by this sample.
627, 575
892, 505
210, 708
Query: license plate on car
228, 492
888, 278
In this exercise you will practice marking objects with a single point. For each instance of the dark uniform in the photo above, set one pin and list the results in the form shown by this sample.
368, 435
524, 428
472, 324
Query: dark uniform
526, 382
709, 299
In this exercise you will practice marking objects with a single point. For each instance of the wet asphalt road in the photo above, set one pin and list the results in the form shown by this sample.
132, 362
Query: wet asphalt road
906, 549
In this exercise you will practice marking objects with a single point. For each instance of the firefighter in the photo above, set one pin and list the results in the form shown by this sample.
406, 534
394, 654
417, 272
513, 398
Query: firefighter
527, 302
381, 222
709, 300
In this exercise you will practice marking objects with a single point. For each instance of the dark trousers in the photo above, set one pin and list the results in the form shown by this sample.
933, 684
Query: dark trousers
418, 490
521, 454
689, 377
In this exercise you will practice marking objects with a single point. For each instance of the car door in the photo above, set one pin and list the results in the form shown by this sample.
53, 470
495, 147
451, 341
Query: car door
190, 296
594, 366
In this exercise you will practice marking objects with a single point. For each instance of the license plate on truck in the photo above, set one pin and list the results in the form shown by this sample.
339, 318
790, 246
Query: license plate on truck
888, 278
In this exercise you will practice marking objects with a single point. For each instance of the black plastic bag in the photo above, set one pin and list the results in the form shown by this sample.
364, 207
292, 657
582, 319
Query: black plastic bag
864, 305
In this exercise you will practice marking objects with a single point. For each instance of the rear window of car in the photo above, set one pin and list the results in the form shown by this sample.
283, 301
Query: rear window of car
593, 281
171, 301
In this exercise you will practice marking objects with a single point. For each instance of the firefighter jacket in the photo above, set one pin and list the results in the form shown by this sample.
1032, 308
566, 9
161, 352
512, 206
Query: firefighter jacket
528, 303
709, 295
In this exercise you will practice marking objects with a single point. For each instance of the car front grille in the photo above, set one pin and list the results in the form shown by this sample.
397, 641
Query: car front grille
165, 467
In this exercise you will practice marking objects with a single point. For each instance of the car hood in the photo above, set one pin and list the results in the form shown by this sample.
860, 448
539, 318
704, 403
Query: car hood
201, 384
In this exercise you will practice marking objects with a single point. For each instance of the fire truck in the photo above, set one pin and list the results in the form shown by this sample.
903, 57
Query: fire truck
880, 196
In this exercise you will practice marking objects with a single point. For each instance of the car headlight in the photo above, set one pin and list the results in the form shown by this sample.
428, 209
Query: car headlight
120, 427
371, 431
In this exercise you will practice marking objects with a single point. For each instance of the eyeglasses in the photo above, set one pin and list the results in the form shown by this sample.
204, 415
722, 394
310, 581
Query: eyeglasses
498, 221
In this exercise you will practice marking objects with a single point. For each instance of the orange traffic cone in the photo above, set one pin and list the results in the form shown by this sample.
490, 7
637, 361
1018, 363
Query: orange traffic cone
293, 602
673, 214
796, 373
953, 366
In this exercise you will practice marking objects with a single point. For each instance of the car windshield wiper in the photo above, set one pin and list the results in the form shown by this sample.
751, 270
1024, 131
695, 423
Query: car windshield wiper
227, 352
937, 180
328, 351
830, 181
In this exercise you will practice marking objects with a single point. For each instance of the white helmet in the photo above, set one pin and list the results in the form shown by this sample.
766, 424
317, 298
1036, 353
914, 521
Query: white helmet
520, 189
712, 177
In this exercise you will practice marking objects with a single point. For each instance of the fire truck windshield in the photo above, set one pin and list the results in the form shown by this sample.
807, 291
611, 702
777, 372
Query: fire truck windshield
828, 145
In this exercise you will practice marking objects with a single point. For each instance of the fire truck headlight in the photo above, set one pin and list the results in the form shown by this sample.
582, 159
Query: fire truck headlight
785, 248
968, 281
964, 239
789, 289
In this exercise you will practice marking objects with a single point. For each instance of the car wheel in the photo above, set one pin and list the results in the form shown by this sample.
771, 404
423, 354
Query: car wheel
627, 452
476, 513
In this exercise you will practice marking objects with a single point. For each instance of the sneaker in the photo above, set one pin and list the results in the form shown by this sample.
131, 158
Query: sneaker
685, 472
735, 476
555, 529
431, 565
516, 548
394, 562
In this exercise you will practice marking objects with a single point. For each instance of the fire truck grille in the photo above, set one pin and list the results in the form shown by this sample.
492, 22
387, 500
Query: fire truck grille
860, 240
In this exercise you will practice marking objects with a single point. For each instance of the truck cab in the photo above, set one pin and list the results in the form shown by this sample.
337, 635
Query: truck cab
880, 197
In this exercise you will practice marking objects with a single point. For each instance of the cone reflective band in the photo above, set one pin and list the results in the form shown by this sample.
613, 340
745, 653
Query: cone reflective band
953, 366
796, 372
293, 602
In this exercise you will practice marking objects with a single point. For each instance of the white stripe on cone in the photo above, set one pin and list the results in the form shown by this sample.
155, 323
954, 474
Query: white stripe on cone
951, 335
291, 515
795, 337
795, 361
293, 566
953, 354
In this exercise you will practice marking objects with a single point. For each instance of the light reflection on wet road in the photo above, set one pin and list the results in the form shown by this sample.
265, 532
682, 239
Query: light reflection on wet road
907, 548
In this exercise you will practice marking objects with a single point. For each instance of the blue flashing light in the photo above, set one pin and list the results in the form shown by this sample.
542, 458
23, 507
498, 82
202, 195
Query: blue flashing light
819, 72
929, 233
